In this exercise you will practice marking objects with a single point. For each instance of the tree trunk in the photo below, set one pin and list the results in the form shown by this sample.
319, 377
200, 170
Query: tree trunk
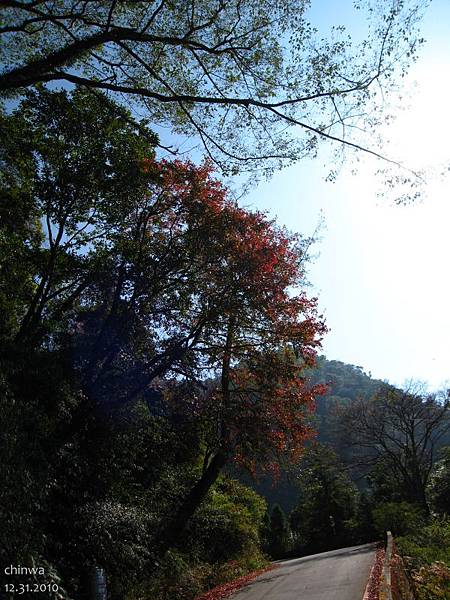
172, 531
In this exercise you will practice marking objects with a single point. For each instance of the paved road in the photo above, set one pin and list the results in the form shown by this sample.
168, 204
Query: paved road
336, 575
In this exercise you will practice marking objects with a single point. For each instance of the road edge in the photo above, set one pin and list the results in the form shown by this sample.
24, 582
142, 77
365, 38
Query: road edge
373, 583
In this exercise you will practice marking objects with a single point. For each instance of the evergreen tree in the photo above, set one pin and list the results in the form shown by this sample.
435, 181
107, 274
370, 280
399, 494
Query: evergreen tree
327, 501
279, 533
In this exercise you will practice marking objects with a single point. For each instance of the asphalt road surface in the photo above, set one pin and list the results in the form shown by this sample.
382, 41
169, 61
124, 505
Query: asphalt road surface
336, 575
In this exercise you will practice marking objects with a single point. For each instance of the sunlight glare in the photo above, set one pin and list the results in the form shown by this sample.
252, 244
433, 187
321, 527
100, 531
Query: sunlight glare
420, 135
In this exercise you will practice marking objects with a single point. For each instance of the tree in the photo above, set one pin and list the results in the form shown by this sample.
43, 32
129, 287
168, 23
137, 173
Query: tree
400, 431
257, 408
400, 518
145, 285
279, 534
235, 74
100, 215
438, 489
327, 499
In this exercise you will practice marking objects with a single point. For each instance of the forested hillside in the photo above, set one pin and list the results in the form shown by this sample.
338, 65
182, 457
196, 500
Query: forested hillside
345, 383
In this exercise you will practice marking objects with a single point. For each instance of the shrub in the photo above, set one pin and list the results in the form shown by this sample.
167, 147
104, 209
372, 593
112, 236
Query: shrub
177, 578
220, 544
426, 553
427, 544
227, 526
399, 518
432, 582
233, 569
115, 536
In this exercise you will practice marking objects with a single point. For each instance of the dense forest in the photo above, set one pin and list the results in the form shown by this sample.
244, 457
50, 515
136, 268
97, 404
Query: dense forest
168, 423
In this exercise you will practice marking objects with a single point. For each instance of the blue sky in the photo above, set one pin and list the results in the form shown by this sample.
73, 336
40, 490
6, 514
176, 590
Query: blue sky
382, 276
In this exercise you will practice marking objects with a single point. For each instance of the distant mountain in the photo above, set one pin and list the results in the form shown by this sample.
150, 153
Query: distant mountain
346, 383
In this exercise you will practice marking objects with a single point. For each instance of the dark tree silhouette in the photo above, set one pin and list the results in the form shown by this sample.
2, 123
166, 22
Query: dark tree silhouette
399, 432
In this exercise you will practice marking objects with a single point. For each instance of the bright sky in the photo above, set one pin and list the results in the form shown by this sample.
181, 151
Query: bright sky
382, 276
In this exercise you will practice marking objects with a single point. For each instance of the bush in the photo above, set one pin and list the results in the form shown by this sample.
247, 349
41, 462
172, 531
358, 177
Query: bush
233, 569
177, 578
113, 535
427, 544
220, 545
227, 526
426, 553
432, 582
399, 518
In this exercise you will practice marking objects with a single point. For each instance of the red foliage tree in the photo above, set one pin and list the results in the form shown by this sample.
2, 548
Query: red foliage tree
264, 333
146, 272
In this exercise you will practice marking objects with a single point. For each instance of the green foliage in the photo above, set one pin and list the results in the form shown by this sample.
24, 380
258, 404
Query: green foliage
278, 534
360, 527
438, 489
70, 165
220, 544
327, 503
227, 525
346, 381
427, 544
346, 384
240, 93
115, 535
383, 483
399, 518
178, 578
432, 582
426, 552
235, 568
